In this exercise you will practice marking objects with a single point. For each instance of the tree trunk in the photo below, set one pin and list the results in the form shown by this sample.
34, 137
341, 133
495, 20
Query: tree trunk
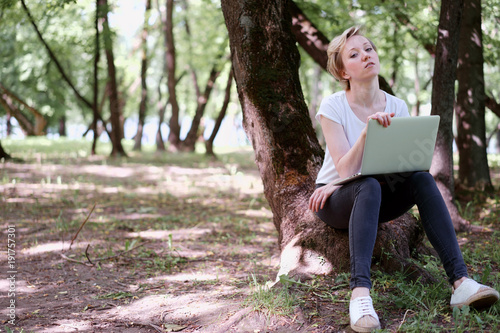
114, 106
209, 143
470, 107
175, 128
160, 145
8, 124
3, 153
97, 55
35, 128
144, 86
287, 153
62, 126
443, 96
202, 100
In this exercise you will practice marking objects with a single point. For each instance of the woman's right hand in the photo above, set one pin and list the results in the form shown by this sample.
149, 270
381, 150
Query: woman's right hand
383, 118
318, 198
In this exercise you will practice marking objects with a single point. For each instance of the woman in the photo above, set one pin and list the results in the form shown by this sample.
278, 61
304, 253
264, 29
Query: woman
361, 205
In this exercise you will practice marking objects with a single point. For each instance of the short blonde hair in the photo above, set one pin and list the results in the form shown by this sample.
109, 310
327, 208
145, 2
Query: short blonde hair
335, 65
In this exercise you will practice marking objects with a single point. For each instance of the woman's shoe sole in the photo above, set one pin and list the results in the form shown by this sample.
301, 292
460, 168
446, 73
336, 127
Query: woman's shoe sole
481, 299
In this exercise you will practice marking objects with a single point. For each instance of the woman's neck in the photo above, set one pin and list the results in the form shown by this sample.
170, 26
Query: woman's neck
366, 93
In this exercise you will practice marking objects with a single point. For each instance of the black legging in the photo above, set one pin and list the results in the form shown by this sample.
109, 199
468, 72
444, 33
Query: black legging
362, 204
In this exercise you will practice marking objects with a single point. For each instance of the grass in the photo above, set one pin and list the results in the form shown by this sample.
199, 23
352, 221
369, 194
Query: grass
403, 305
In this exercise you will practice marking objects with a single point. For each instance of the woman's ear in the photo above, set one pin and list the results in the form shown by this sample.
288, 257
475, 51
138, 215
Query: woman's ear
345, 76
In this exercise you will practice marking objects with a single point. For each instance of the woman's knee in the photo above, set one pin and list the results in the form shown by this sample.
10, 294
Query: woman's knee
369, 186
422, 178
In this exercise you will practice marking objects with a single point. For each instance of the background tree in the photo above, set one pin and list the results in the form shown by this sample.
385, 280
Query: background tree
470, 106
144, 86
443, 98
287, 153
114, 107
170, 56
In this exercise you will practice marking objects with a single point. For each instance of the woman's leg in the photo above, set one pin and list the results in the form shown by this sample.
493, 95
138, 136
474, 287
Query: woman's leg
356, 206
420, 188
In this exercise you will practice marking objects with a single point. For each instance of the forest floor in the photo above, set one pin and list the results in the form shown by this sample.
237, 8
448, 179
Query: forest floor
183, 243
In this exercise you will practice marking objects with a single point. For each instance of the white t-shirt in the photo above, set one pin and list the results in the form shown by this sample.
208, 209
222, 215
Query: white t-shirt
336, 108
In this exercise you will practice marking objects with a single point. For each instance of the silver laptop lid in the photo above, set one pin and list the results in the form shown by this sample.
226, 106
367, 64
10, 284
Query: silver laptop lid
406, 145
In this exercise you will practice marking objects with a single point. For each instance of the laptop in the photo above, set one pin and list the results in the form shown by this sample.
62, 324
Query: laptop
406, 145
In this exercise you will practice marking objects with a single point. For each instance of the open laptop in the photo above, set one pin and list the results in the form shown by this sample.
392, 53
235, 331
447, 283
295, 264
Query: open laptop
406, 145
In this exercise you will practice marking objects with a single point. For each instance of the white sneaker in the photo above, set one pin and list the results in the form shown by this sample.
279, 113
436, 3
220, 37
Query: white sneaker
363, 316
473, 294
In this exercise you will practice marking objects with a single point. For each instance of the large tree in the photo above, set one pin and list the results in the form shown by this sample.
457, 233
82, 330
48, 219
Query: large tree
287, 152
470, 106
443, 98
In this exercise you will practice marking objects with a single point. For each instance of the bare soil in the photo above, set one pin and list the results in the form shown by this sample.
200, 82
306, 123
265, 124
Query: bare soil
162, 248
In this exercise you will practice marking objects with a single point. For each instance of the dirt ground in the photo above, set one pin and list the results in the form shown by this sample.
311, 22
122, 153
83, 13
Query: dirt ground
151, 247
164, 249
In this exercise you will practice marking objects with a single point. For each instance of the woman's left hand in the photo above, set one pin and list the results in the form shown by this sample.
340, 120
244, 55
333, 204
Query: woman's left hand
318, 198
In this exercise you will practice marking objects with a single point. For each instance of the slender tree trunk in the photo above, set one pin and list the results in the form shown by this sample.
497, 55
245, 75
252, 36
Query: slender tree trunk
8, 123
114, 107
443, 96
25, 124
62, 126
209, 143
470, 107
416, 108
144, 86
170, 56
36, 128
160, 145
97, 55
193, 134
288, 155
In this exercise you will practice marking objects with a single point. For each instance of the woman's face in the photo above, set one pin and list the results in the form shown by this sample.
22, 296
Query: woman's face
360, 59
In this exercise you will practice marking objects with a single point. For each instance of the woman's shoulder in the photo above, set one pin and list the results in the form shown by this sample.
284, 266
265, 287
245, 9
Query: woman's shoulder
397, 105
336, 97
335, 100
393, 99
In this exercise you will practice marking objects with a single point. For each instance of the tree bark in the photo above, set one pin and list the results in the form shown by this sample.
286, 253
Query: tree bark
160, 145
62, 126
470, 107
287, 153
443, 96
7, 99
114, 104
170, 59
202, 100
144, 86
97, 55
209, 143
